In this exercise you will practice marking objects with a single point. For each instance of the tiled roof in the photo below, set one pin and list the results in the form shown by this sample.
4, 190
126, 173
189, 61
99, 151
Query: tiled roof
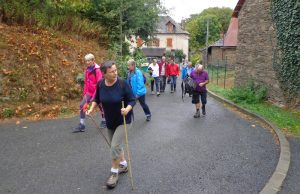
162, 26
238, 8
232, 33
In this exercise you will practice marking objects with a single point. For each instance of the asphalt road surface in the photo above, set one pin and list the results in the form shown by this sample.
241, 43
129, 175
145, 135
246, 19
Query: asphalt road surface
222, 152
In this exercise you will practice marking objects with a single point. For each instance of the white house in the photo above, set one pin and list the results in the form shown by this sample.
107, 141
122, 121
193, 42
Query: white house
169, 37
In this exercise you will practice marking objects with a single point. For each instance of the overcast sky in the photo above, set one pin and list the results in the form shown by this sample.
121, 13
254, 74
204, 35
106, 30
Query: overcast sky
180, 9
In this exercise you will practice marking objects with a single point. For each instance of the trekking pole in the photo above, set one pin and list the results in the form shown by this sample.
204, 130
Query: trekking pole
84, 109
93, 120
127, 148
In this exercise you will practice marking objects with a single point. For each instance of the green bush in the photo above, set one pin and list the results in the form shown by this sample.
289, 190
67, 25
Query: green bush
80, 79
67, 15
251, 93
64, 110
196, 58
8, 113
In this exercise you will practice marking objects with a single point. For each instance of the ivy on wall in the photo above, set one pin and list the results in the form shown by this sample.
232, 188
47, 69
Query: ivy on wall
286, 17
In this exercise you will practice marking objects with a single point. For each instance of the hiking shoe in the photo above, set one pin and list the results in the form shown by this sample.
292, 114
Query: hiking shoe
112, 180
197, 114
103, 125
80, 128
203, 111
122, 169
148, 118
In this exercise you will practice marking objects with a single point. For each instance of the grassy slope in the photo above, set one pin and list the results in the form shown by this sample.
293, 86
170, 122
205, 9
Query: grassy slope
38, 70
287, 120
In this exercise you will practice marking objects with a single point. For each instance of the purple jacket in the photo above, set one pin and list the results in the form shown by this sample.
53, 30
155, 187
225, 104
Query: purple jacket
199, 78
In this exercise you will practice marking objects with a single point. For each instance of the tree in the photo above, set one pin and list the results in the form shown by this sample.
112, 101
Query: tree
218, 18
197, 29
139, 17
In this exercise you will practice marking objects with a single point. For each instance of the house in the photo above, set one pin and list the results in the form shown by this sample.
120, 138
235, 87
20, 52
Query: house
224, 50
169, 37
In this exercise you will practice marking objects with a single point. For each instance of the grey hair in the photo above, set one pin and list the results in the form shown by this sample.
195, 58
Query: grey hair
131, 61
89, 57
106, 65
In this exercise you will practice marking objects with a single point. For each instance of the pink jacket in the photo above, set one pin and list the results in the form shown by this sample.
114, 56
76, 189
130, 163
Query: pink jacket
91, 79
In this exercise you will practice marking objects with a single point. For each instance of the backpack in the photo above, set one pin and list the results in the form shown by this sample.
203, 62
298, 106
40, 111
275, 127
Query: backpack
189, 85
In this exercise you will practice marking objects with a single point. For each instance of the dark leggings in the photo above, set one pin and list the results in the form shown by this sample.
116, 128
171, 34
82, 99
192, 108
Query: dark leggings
145, 107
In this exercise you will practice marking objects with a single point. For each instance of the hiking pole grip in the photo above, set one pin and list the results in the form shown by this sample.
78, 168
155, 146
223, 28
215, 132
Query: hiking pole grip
127, 148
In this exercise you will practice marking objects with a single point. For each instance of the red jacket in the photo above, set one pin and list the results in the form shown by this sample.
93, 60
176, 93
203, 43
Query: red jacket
172, 70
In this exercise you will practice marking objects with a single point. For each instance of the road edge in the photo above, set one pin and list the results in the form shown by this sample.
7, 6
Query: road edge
275, 182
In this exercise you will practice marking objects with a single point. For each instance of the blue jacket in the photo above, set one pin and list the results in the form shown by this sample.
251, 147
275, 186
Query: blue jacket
136, 81
184, 72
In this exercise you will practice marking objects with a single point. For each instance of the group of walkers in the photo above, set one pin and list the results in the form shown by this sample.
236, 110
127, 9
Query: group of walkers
116, 98
161, 72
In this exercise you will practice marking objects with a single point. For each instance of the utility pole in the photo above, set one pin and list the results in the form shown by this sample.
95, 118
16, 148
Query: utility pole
207, 35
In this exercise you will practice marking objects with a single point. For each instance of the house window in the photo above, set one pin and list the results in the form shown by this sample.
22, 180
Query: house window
170, 27
169, 42
154, 42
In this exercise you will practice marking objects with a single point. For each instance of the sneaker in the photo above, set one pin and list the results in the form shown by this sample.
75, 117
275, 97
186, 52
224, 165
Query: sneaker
148, 118
157, 94
80, 128
172, 91
103, 125
203, 111
152, 92
112, 180
122, 169
197, 114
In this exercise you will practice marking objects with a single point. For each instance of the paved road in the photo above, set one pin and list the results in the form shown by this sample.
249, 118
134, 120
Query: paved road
291, 184
174, 153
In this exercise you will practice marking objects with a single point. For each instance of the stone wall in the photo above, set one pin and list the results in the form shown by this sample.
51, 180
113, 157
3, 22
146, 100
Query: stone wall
230, 53
219, 54
256, 41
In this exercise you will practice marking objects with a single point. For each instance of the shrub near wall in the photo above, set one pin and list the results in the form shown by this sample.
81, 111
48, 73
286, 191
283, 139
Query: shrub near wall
286, 16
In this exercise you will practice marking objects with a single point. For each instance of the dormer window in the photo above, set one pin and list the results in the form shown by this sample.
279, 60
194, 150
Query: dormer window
170, 27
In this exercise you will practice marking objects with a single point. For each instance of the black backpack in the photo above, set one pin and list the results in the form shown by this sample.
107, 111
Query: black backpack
188, 86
